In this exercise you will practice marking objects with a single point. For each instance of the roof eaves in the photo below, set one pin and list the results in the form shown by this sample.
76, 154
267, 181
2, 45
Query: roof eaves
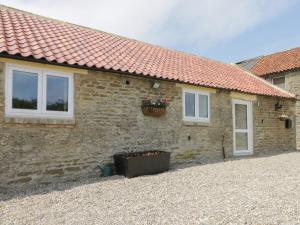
44, 61
271, 85
279, 71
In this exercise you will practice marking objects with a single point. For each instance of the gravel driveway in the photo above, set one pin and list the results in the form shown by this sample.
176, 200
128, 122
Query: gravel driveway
247, 191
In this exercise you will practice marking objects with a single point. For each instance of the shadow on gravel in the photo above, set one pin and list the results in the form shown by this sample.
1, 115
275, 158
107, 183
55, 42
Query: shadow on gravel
45, 189
183, 165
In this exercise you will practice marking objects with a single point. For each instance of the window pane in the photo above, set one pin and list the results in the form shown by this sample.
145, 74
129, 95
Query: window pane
279, 81
24, 90
203, 106
190, 104
240, 116
57, 93
241, 140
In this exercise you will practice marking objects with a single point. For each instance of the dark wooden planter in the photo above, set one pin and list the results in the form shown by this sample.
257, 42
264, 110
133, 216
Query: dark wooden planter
141, 163
153, 111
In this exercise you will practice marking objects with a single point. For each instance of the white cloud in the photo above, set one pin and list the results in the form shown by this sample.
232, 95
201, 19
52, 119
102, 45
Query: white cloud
172, 23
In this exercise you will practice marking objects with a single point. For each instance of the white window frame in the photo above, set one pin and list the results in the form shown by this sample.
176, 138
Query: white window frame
196, 118
41, 111
279, 77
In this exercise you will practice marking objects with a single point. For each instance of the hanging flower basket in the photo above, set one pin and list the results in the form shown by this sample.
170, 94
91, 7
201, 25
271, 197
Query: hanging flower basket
152, 111
283, 117
154, 108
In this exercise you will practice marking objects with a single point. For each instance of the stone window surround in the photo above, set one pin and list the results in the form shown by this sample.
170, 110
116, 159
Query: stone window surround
195, 120
41, 113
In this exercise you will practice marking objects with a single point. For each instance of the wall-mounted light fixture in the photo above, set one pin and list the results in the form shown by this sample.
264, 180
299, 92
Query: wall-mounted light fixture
278, 106
155, 85
258, 104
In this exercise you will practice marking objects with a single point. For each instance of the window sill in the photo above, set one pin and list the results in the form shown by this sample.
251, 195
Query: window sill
195, 123
23, 120
243, 153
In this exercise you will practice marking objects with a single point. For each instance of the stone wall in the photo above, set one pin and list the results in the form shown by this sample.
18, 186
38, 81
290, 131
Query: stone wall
108, 120
270, 134
292, 84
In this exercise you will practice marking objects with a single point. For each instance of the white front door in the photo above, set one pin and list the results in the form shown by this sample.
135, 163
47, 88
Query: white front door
242, 127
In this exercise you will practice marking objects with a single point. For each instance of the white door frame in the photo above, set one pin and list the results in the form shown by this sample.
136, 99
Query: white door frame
249, 129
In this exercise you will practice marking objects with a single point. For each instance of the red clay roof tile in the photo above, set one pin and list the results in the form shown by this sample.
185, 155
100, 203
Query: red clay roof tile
35, 36
277, 62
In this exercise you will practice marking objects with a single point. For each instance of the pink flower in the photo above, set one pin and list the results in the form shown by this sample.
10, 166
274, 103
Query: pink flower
164, 100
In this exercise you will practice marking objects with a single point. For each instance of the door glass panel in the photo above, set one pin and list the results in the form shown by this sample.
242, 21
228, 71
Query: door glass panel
241, 141
24, 90
57, 93
190, 104
240, 116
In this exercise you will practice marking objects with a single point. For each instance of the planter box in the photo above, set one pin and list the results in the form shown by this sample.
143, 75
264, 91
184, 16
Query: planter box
141, 163
153, 111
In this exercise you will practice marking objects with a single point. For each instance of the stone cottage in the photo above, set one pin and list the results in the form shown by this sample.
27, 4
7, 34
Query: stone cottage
281, 69
70, 98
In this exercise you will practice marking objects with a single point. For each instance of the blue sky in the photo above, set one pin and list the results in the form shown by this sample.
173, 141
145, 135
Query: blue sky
279, 33
225, 30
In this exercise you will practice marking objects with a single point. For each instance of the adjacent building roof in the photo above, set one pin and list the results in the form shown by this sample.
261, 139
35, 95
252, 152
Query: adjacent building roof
248, 63
274, 63
35, 37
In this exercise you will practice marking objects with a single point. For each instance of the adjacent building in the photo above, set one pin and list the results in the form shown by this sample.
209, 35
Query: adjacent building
281, 69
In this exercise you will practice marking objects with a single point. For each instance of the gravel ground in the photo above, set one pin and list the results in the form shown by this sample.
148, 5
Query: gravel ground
247, 191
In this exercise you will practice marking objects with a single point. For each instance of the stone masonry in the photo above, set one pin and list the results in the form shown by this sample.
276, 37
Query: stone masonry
108, 119
292, 84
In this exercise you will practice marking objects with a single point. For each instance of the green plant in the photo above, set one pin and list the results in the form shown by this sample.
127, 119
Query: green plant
158, 103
